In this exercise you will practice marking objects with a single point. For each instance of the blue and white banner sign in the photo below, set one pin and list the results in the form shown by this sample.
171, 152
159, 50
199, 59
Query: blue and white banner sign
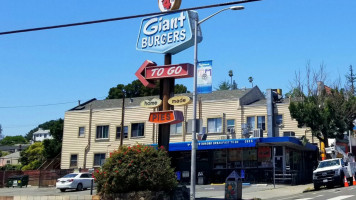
204, 77
170, 33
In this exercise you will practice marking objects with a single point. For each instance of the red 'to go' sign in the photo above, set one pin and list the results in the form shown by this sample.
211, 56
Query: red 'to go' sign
175, 71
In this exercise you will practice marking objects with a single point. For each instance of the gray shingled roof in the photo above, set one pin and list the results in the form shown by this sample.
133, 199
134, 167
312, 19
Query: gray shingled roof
264, 102
117, 103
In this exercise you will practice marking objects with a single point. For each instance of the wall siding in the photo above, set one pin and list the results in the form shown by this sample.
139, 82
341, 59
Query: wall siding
72, 144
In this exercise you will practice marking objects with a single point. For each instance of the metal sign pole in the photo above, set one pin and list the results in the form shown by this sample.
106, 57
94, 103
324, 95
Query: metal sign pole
194, 139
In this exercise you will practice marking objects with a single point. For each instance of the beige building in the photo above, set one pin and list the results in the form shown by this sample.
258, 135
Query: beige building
92, 129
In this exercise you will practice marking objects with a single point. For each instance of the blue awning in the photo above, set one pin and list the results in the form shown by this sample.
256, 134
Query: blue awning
241, 143
214, 144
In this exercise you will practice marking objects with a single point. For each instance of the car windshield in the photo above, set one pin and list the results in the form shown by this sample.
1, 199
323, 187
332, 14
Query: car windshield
329, 163
70, 176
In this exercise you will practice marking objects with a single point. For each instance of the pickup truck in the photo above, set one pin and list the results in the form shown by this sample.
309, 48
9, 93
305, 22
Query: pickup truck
331, 172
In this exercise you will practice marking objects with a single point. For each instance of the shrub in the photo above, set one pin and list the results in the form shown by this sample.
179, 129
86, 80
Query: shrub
137, 168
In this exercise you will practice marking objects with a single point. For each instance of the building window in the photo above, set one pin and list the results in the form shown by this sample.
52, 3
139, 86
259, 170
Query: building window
99, 159
102, 132
137, 129
250, 123
261, 122
8, 162
279, 120
177, 129
45, 135
81, 132
214, 125
118, 132
230, 125
74, 160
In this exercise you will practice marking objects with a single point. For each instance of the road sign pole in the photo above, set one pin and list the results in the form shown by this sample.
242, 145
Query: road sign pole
166, 92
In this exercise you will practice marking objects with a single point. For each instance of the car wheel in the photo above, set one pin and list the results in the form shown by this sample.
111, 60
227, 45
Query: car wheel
62, 190
79, 187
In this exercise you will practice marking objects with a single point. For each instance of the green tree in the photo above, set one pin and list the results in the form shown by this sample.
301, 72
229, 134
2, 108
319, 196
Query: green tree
136, 89
224, 85
234, 85
250, 79
32, 157
328, 115
351, 79
137, 168
231, 74
1, 136
11, 140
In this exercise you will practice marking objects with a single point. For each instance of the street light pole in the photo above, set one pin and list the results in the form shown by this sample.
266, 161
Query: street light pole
194, 134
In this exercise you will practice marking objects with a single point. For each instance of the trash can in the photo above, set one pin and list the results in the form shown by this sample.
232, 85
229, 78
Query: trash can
17, 181
233, 187
200, 178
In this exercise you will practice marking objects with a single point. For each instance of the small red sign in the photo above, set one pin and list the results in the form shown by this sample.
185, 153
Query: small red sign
169, 71
166, 117
141, 76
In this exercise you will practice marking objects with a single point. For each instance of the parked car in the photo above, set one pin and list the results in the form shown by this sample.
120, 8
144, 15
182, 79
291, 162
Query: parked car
78, 181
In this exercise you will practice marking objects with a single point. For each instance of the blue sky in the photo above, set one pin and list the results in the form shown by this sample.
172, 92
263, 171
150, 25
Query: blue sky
269, 41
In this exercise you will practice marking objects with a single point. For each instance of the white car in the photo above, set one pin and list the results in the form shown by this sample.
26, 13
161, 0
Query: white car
78, 181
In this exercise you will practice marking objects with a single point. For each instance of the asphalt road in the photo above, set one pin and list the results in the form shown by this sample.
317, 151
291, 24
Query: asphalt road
347, 193
35, 191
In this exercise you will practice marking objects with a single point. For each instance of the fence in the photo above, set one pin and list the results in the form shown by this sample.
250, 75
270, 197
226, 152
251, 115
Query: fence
41, 178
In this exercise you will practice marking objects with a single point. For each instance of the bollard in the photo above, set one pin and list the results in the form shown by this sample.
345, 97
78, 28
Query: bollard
91, 186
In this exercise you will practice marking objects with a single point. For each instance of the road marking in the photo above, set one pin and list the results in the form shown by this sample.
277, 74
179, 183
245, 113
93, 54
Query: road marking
304, 199
341, 197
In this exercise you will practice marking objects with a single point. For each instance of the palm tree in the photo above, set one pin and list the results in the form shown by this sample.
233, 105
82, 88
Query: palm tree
250, 79
231, 74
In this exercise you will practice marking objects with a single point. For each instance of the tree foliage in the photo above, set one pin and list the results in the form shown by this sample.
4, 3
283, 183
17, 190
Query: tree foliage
136, 89
11, 140
224, 85
351, 80
32, 157
137, 168
328, 115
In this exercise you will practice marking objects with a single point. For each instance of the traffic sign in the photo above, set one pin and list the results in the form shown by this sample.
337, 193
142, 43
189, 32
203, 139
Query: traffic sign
140, 73
170, 71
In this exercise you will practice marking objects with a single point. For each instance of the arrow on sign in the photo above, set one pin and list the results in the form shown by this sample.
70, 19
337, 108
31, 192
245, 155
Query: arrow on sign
141, 74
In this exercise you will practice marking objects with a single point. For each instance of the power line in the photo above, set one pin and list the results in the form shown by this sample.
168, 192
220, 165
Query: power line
41, 105
122, 18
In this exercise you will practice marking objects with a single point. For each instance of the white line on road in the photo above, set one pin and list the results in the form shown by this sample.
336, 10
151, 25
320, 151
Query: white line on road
341, 197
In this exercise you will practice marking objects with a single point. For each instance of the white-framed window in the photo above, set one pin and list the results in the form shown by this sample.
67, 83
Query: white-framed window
81, 131
137, 129
261, 122
45, 135
250, 123
73, 160
177, 129
102, 132
214, 125
99, 159
279, 120
118, 132
230, 125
